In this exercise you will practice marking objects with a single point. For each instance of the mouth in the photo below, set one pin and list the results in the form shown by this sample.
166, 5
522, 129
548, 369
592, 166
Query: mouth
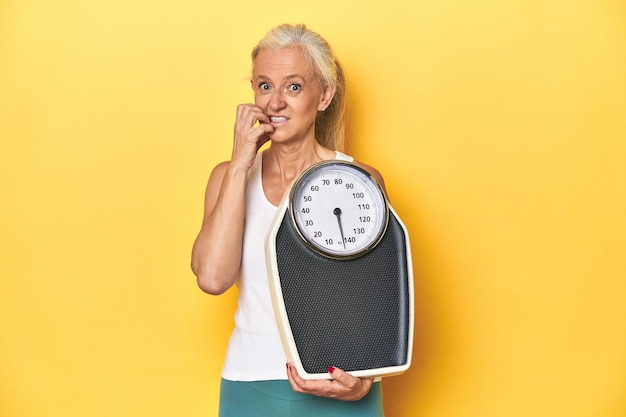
277, 119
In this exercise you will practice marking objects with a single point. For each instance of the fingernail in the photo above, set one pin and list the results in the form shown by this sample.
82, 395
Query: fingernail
331, 369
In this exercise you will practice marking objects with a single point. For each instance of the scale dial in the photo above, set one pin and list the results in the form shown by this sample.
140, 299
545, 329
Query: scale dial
339, 209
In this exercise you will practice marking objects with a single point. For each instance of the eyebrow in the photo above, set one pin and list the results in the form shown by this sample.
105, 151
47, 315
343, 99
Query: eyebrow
287, 78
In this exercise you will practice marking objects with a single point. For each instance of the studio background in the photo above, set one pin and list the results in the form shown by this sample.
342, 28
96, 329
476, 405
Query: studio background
499, 126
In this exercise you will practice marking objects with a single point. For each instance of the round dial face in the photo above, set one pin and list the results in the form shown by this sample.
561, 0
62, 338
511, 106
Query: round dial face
339, 209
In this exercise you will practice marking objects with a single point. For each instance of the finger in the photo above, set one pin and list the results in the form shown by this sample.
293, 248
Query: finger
245, 130
261, 117
294, 379
323, 387
249, 114
247, 108
345, 379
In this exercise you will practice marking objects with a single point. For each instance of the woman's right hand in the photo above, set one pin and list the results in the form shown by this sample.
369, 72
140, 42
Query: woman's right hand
249, 136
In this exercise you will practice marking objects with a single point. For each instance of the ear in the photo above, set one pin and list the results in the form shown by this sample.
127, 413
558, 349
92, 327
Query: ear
327, 96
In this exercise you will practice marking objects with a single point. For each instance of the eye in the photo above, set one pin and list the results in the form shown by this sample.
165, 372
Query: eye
263, 86
295, 87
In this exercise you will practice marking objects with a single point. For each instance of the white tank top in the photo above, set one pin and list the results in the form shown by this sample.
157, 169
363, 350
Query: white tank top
255, 352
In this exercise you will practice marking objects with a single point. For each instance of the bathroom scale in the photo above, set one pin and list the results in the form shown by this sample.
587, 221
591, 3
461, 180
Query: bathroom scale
340, 275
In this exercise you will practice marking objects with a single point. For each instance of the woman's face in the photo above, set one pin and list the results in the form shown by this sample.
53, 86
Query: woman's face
286, 89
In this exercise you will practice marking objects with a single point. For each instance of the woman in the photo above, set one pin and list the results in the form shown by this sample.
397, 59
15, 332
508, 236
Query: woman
299, 107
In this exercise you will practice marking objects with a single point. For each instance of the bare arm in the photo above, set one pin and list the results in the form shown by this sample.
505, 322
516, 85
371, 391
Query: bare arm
216, 254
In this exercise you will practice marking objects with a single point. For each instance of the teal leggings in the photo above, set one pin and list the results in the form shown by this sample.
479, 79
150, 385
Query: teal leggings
277, 399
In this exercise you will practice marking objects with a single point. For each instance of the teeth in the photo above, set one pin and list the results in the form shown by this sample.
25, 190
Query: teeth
278, 119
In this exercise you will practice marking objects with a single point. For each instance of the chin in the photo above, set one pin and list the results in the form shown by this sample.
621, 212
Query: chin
278, 138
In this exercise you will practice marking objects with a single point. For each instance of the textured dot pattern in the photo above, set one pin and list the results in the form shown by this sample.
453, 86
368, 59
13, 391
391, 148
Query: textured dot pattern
353, 314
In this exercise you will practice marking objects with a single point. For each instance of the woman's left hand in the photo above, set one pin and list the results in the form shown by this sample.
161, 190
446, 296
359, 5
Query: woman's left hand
343, 386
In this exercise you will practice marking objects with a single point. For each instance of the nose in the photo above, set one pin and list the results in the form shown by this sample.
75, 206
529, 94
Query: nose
277, 101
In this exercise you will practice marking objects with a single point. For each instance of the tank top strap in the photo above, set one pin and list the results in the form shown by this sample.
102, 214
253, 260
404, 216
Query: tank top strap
343, 157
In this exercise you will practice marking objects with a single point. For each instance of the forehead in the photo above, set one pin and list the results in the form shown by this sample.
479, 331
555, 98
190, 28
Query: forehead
281, 63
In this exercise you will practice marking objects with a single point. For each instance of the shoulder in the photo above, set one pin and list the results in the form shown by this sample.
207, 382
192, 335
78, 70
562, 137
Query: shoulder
373, 172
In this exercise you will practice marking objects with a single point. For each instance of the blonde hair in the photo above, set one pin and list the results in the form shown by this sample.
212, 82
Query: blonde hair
330, 125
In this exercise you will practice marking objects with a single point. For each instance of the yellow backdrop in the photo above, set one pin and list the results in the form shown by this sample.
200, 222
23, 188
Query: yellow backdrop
500, 128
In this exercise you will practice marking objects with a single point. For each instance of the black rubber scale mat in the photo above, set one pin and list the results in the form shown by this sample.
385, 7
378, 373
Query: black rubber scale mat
353, 314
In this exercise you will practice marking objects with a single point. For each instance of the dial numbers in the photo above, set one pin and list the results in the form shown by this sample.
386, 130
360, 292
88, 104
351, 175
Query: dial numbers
339, 209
